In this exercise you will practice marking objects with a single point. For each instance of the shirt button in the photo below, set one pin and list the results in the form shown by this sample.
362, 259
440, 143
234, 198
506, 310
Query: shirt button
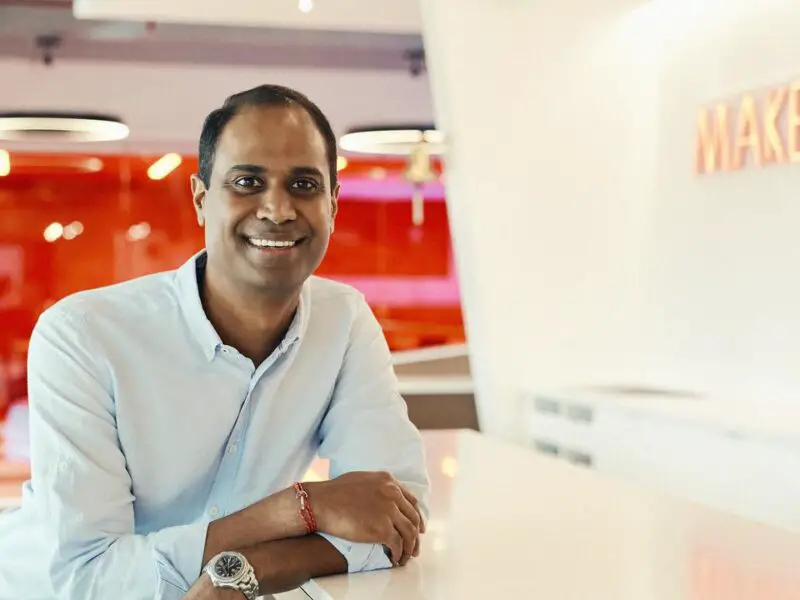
233, 449
226, 351
63, 467
213, 511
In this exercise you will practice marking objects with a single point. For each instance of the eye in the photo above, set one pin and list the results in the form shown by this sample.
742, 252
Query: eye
305, 185
248, 182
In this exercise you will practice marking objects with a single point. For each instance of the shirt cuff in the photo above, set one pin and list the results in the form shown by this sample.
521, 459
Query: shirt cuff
179, 556
360, 557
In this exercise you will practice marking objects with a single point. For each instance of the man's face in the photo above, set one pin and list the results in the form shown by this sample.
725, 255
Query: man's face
268, 212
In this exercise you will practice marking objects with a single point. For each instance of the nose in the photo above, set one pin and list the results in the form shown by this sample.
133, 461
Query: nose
276, 206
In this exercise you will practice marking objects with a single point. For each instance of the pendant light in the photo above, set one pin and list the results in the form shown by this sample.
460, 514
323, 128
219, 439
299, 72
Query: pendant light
418, 142
55, 127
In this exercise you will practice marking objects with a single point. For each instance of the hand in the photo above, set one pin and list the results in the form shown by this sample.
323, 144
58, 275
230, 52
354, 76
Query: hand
203, 589
371, 508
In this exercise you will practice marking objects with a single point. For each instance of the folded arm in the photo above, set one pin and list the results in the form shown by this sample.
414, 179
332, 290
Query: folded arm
367, 428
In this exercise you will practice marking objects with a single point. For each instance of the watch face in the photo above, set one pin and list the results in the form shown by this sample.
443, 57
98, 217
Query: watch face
228, 566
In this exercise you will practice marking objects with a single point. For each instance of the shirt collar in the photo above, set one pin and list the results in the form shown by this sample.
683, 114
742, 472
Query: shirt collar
201, 329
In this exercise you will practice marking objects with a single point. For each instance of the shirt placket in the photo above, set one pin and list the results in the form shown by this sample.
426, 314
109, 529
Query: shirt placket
219, 500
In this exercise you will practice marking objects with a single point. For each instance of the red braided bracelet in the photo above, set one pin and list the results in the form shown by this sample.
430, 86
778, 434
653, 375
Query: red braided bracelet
306, 511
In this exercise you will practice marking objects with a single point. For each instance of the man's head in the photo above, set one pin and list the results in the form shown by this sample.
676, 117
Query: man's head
267, 190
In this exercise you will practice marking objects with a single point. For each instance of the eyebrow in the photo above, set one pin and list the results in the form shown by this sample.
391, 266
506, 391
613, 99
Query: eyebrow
254, 169
307, 171
259, 170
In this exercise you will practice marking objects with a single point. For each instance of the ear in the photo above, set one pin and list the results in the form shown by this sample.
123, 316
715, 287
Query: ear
199, 198
334, 205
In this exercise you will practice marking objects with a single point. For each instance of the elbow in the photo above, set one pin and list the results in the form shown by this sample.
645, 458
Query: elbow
72, 573
81, 572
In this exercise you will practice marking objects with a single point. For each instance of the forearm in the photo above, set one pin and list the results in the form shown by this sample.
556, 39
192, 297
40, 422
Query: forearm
284, 565
275, 518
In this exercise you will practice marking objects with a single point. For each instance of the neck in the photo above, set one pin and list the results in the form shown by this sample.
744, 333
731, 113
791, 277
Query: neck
246, 319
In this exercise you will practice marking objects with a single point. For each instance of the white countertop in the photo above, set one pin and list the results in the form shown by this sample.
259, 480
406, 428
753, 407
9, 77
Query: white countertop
508, 523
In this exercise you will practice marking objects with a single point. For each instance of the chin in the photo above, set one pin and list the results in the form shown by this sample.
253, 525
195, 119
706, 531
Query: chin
279, 285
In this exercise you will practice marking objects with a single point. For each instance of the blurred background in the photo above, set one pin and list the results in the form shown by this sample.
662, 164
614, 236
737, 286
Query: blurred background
79, 213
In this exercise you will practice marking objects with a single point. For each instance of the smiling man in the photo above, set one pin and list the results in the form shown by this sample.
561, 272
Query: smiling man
172, 416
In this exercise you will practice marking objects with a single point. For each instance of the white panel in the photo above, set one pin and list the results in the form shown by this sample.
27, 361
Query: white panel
384, 16
551, 118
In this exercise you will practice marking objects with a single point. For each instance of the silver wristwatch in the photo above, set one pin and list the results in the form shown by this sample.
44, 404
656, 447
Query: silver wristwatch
232, 570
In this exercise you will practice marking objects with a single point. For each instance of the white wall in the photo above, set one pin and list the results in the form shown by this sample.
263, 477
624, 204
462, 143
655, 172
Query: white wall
165, 104
550, 113
723, 276
589, 251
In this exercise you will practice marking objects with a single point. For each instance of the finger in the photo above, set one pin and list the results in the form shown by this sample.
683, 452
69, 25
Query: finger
413, 500
395, 544
409, 534
410, 511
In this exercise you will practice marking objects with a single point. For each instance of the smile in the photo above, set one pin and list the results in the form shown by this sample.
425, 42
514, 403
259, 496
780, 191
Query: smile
271, 244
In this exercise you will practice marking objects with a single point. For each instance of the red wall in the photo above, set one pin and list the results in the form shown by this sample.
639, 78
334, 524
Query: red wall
375, 244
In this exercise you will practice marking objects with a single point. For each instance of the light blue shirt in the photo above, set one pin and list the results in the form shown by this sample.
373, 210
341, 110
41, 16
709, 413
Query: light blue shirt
145, 427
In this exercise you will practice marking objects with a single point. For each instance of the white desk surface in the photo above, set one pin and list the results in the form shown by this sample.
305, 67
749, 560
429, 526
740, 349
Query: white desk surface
508, 523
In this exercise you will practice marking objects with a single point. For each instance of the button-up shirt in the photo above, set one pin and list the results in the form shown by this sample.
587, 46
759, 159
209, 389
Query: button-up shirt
145, 427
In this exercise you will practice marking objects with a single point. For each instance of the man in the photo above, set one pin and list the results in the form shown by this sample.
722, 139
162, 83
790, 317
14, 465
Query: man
172, 414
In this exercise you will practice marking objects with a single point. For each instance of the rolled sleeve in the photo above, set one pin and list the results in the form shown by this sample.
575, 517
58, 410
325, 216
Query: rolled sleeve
360, 557
179, 555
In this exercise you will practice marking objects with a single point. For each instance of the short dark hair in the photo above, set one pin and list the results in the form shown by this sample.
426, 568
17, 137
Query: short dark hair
263, 95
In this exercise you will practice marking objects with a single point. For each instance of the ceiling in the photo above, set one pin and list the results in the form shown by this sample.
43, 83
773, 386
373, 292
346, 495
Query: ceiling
23, 21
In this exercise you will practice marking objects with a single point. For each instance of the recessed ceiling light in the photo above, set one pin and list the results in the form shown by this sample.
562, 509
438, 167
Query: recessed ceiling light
164, 166
61, 127
5, 163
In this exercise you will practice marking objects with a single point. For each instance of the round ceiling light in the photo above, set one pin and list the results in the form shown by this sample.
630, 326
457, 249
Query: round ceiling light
61, 127
398, 140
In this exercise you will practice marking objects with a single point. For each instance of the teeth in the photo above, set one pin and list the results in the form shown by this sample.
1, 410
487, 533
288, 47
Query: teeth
262, 243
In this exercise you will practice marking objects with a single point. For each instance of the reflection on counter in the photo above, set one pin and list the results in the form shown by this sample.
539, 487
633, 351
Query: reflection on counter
567, 532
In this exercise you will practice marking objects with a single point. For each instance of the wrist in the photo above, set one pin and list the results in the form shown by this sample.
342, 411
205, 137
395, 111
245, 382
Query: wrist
315, 493
306, 508
218, 593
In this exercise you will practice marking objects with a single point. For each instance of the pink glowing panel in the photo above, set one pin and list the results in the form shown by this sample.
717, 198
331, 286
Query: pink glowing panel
390, 189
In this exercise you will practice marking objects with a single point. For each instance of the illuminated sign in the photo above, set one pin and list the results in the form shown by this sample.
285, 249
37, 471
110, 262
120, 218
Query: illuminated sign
757, 130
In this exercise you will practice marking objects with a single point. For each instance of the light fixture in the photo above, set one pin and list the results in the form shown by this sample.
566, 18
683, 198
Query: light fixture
53, 232
306, 6
341, 163
397, 140
418, 142
5, 163
164, 166
61, 127
138, 232
73, 230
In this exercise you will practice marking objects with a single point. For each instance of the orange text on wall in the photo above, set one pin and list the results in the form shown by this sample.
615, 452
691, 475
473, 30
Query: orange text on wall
756, 130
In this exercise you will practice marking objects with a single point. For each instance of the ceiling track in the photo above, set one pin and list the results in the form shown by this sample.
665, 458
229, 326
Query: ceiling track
61, 4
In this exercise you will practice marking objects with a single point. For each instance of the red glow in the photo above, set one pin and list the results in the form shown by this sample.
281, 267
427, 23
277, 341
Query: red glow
125, 225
